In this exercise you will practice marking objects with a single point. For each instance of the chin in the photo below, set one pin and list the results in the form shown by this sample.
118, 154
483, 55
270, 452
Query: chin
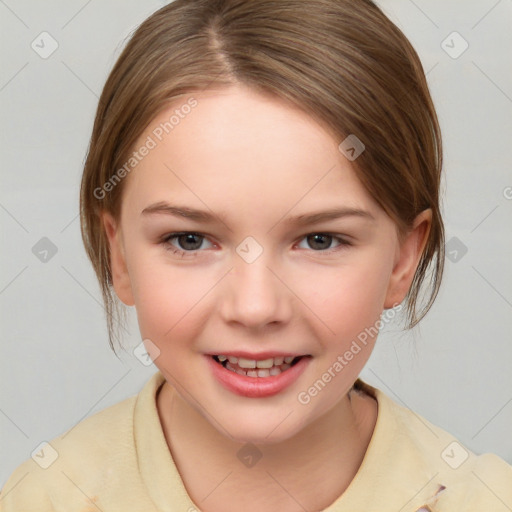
260, 436
262, 429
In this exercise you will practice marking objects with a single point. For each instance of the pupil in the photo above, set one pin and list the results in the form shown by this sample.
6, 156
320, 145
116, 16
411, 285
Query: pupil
318, 237
189, 238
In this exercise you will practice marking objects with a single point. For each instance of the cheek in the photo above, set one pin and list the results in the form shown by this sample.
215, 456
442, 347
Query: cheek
168, 298
349, 301
349, 298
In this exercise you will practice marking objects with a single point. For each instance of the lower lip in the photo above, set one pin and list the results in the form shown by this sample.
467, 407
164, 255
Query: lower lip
257, 387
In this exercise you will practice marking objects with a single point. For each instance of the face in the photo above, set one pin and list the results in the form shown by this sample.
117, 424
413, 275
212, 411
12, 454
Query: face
250, 278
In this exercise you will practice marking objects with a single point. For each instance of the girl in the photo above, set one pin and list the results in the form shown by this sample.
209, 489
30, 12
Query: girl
262, 184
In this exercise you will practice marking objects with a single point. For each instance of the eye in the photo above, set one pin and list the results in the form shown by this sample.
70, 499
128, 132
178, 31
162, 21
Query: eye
321, 242
188, 243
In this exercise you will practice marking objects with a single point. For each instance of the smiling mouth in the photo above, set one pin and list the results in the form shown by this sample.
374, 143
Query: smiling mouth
270, 367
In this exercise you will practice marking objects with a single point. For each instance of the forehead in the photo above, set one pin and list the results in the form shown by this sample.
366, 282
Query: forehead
236, 147
238, 123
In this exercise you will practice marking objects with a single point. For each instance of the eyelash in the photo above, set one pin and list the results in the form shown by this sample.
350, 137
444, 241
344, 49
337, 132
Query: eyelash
166, 242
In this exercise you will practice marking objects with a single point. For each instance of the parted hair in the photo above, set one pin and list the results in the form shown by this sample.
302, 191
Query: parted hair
342, 62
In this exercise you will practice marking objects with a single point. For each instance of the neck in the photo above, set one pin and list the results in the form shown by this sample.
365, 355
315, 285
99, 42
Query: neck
308, 471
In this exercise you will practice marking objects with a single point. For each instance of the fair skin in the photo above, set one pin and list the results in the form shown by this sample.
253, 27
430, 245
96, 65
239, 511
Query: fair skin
254, 162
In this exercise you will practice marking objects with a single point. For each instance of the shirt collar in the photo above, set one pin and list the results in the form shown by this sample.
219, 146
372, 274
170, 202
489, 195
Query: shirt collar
395, 475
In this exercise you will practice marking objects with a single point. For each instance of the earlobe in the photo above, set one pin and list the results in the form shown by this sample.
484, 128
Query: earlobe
120, 276
408, 258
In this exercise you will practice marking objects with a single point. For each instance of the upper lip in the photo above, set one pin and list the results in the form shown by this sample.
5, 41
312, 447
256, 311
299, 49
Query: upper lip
259, 356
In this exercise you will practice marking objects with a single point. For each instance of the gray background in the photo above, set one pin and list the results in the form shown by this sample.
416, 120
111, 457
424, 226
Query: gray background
56, 366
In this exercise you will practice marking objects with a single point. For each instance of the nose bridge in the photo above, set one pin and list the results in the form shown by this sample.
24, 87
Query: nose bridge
254, 295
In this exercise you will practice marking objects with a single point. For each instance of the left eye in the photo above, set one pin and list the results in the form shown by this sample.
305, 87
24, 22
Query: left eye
322, 241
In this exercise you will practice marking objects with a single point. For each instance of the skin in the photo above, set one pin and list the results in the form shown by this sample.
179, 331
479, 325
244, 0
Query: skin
254, 161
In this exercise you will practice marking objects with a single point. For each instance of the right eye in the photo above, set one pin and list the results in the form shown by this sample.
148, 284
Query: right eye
188, 243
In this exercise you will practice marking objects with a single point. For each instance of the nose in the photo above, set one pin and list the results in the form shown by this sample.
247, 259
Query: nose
254, 295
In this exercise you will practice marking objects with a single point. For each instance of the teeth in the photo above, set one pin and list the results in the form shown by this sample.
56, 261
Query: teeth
246, 363
236, 370
266, 363
251, 368
252, 363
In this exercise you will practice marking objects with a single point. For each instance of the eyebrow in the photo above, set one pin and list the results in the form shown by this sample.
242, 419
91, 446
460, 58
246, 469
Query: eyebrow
209, 218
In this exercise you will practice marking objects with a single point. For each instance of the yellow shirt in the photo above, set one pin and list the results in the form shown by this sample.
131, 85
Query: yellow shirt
118, 461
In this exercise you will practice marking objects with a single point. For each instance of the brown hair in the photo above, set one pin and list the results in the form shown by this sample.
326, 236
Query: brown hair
342, 62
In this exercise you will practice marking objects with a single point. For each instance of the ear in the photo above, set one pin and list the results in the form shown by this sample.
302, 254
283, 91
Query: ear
407, 259
120, 276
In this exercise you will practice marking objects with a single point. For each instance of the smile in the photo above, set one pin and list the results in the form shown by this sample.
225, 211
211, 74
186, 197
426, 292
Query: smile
270, 367
265, 376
